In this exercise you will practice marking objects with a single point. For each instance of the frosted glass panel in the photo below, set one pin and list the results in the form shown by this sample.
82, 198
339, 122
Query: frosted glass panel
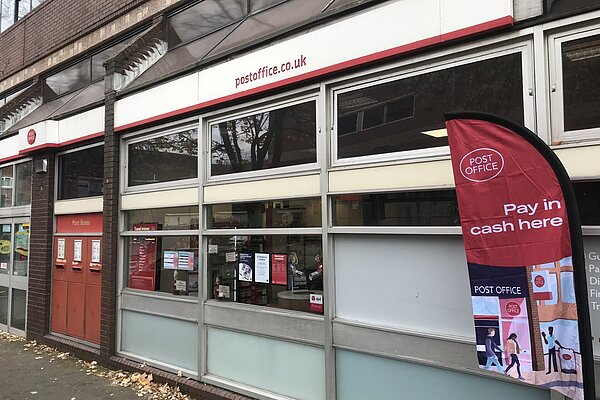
290, 369
411, 282
361, 376
166, 340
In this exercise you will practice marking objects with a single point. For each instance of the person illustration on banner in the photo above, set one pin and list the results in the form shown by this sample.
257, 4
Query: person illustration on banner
316, 277
490, 348
293, 270
513, 349
551, 341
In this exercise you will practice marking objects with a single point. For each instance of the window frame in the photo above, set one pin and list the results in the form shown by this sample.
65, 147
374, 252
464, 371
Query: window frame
556, 89
152, 133
267, 104
12, 207
57, 171
431, 63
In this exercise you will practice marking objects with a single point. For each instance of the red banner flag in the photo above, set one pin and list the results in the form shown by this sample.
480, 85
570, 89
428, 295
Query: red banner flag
524, 253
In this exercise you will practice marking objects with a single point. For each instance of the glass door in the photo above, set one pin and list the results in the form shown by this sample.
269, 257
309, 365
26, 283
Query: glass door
14, 262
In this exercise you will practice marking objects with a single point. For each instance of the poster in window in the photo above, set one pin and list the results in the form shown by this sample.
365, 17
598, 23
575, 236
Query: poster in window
245, 267
96, 251
522, 240
60, 249
77, 250
142, 259
261, 267
279, 269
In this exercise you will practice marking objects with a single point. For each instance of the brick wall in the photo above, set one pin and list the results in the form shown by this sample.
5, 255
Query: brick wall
40, 250
110, 236
54, 24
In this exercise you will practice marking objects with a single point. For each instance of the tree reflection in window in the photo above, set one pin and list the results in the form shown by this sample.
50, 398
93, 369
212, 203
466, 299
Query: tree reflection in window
165, 158
271, 139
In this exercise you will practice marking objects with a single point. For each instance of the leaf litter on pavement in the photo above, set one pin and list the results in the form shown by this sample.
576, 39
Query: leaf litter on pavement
142, 383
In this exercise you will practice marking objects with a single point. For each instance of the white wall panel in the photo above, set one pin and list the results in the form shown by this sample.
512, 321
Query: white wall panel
161, 99
9, 147
416, 283
81, 125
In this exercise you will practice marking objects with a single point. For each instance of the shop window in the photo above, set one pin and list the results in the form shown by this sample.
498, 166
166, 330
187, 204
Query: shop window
279, 271
166, 264
280, 137
576, 86
407, 114
21, 250
15, 185
203, 18
6, 186
424, 208
165, 158
23, 184
157, 260
588, 201
80, 173
570, 6
297, 213
163, 219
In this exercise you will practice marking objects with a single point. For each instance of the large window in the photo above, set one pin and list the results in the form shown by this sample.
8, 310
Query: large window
13, 10
257, 255
80, 173
407, 114
15, 185
169, 157
423, 208
278, 137
576, 86
161, 250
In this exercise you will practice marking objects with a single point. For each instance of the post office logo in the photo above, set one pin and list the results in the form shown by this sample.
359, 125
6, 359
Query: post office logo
31, 135
481, 165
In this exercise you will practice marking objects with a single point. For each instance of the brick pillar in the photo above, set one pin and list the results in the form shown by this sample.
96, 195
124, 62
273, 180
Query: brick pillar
40, 250
110, 234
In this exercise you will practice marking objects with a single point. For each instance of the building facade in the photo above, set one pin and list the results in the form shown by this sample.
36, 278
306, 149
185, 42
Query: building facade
255, 197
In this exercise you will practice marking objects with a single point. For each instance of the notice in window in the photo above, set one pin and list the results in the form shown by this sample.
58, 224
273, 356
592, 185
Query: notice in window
261, 267
279, 269
245, 267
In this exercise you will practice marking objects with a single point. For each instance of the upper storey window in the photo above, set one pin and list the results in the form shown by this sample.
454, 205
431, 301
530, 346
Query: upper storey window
13, 10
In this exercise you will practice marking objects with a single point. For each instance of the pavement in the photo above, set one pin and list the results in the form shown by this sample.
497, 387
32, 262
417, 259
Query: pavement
30, 371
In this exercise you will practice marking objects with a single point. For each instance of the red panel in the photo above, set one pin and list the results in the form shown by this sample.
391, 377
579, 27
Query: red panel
92, 313
93, 268
76, 310
79, 223
58, 321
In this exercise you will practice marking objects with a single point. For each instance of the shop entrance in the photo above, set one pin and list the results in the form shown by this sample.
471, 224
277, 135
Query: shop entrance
77, 276
14, 262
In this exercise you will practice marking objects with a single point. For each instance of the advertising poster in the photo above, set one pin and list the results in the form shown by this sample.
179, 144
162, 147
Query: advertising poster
517, 229
142, 260
279, 269
185, 260
245, 267
261, 267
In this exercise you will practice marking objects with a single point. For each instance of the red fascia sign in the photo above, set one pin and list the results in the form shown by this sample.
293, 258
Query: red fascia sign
521, 231
79, 223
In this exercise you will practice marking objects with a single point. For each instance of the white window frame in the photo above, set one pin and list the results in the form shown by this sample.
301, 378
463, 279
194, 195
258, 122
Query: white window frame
142, 136
264, 105
556, 88
13, 182
525, 48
